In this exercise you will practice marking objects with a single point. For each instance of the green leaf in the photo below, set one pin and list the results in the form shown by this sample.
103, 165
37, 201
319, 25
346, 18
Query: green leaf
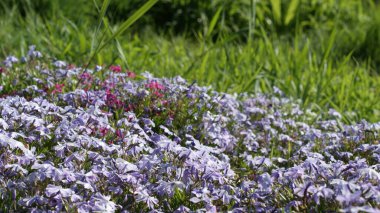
292, 10
329, 46
102, 14
276, 9
104, 9
213, 22
118, 45
126, 24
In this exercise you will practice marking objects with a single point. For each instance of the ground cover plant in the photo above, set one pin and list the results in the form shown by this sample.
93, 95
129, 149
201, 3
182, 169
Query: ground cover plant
247, 106
106, 139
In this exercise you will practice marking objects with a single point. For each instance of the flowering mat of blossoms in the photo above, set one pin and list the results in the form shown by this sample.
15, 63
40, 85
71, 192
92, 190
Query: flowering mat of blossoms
74, 139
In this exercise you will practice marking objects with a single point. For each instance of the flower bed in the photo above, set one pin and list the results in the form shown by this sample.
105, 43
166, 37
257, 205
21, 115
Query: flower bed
106, 139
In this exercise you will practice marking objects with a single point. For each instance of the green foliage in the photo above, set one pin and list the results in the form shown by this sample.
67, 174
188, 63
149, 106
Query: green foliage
123, 27
370, 47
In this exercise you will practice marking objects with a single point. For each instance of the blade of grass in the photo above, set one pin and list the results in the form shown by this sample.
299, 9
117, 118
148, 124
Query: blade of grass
329, 46
124, 26
291, 12
103, 10
213, 22
276, 10
252, 21
270, 50
118, 45
102, 14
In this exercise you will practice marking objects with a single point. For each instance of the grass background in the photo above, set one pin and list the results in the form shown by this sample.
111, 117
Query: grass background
326, 53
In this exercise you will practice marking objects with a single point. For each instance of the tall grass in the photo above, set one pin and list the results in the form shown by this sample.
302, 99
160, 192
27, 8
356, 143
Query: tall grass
310, 55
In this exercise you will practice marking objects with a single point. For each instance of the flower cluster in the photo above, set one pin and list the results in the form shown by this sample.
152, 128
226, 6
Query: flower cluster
163, 145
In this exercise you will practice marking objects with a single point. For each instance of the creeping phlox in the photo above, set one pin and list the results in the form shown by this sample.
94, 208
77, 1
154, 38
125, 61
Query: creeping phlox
75, 139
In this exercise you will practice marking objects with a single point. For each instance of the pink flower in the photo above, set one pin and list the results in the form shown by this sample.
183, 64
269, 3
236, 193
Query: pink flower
103, 131
112, 100
115, 68
71, 66
155, 85
58, 88
131, 74
128, 108
85, 76
158, 94
119, 133
86, 80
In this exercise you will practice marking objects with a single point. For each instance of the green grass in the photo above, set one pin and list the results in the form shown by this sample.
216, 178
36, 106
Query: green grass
322, 63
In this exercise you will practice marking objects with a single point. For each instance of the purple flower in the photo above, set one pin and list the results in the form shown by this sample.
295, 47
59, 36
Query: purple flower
335, 114
142, 195
168, 188
52, 190
182, 209
13, 144
59, 64
102, 203
3, 124
347, 198
323, 192
10, 60
28, 202
125, 167
32, 53
86, 185
264, 182
357, 209
15, 169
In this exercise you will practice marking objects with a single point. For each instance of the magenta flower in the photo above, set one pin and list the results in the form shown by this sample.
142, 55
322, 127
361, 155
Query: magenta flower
155, 85
58, 88
86, 79
112, 100
115, 68
103, 131
85, 76
131, 74
119, 133
158, 94
71, 66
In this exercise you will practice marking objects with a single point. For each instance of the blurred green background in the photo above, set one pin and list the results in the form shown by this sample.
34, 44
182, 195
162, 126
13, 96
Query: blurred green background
326, 53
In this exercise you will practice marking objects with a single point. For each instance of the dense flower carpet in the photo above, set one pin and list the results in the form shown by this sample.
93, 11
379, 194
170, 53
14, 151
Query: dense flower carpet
82, 139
